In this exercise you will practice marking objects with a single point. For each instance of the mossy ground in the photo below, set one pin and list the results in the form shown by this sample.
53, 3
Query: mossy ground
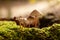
9, 30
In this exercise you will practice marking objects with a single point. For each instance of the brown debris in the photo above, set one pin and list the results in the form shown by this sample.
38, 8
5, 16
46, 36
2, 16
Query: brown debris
31, 21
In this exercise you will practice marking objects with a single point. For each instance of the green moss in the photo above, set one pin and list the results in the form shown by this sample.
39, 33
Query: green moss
9, 30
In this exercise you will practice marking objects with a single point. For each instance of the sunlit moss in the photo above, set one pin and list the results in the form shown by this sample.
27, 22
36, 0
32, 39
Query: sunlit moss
9, 30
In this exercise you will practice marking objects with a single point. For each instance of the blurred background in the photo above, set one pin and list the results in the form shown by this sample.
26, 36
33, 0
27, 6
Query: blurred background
15, 8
